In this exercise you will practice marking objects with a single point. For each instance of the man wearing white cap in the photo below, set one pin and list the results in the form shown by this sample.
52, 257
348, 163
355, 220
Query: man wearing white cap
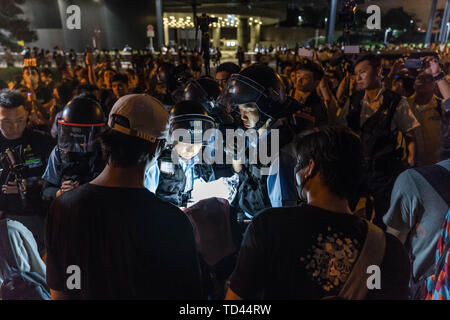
114, 239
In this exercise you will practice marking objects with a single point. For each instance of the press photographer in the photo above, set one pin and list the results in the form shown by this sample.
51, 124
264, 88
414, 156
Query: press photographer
23, 153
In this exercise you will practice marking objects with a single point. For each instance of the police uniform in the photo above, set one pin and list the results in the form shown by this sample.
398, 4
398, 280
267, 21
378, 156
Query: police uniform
174, 182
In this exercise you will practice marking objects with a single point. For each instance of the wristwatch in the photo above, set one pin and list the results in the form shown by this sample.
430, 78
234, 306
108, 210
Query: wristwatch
440, 76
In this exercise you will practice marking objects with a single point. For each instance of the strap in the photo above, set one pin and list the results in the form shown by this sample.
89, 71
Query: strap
372, 253
390, 102
440, 264
439, 178
7, 258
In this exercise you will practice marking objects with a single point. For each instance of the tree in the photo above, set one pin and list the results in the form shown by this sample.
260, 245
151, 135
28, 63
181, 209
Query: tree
397, 19
13, 26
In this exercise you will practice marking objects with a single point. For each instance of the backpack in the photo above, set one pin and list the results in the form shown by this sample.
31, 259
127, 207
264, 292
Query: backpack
18, 284
436, 285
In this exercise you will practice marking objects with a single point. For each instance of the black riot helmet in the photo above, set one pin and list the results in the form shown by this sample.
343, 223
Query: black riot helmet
81, 121
193, 119
204, 91
258, 84
164, 75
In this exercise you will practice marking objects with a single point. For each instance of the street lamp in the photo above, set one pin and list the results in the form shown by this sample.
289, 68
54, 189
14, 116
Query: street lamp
386, 34
448, 29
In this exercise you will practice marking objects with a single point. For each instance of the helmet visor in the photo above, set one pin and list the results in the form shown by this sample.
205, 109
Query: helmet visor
81, 139
240, 90
192, 129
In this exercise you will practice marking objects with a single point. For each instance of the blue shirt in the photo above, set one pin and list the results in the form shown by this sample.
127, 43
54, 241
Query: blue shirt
281, 184
51, 175
151, 178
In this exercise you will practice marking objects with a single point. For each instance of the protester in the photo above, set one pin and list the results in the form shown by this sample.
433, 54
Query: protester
143, 257
224, 71
20, 252
119, 85
427, 108
308, 76
311, 251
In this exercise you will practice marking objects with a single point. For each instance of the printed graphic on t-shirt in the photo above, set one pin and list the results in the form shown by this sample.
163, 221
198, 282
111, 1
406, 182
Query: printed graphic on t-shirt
330, 261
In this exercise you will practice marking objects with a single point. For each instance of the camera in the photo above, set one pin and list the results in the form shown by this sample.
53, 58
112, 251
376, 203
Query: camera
413, 64
13, 161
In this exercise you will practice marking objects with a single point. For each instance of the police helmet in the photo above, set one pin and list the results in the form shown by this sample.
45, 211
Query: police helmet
257, 84
193, 119
81, 121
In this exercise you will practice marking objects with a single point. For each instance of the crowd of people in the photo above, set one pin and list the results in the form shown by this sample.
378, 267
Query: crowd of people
96, 175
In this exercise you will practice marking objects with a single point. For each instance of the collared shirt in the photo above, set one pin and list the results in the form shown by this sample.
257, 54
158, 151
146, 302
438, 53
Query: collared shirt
429, 135
404, 119
151, 178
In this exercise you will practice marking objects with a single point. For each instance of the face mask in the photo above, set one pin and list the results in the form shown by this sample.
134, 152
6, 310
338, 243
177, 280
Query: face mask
302, 184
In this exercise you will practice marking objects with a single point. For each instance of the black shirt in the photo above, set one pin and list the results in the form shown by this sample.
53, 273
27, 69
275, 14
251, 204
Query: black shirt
307, 253
36, 147
314, 107
128, 243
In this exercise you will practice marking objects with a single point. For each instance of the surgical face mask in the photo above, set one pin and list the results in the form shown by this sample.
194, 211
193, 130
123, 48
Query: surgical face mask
301, 184
151, 162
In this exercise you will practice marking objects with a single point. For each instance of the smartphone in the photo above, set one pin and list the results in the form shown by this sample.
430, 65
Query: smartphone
413, 64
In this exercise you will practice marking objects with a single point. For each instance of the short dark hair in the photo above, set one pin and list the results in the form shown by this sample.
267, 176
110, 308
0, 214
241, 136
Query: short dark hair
313, 68
65, 91
229, 67
123, 150
374, 60
337, 155
118, 77
11, 99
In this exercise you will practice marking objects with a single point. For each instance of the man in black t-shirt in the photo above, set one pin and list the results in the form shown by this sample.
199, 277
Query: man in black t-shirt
311, 251
29, 152
126, 242
308, 77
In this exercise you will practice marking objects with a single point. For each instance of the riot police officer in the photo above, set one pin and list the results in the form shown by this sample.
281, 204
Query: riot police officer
258, 94
179, 166
77, 157
206, 91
